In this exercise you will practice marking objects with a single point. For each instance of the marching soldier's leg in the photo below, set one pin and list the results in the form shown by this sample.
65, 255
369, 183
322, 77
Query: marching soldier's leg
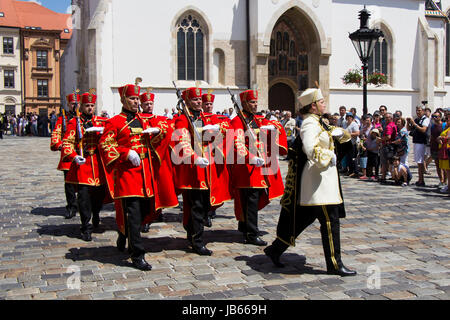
122, 238
135, 244
71, 199
97, 198
330, 231
196, 222
251, 233
84, 204
284, 230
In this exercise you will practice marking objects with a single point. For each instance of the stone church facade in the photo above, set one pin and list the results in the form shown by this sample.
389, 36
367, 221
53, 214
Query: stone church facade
280, 47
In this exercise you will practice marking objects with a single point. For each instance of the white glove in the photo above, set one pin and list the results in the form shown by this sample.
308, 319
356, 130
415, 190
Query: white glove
96, 129
258, 162
134, 158
333, 162
202, 162
268, 128
151, 131
79, 160
337, 133
215, 128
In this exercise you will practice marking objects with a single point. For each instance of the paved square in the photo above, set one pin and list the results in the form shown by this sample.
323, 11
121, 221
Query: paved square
399, 234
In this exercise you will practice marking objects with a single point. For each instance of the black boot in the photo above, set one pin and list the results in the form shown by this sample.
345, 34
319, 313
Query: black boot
202, 251
341, 271
70, 213
208, 222
86, 236
160, 218
141, 264
96, 220
332, 249
146, 228
121, 242
255, 240
275, 251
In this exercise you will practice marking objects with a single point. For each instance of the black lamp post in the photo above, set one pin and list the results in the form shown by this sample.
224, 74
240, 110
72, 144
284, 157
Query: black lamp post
364, 41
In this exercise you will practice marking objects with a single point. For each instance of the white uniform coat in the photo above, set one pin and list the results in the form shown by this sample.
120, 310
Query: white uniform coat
320, 184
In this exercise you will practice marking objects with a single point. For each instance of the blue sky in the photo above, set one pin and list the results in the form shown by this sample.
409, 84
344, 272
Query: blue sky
55, 5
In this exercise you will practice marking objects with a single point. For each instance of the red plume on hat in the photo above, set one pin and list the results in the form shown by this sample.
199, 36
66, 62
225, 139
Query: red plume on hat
89, 97
147, 96
209, 97
71, 98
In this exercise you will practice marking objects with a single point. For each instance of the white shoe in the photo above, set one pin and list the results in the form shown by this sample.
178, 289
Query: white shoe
444, 190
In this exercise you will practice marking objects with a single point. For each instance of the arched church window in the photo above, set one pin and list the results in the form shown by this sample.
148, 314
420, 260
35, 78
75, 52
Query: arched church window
288, 55
379, 60
190, 49
292, 49
286, 41
279, 41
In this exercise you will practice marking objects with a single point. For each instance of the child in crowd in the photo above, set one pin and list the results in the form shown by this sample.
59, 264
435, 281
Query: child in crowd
400, 172
373, 161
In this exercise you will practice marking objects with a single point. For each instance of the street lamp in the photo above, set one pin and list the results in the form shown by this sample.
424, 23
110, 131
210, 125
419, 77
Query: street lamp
364, 40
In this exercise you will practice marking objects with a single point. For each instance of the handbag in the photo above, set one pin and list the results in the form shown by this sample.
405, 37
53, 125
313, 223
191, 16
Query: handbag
444, 151
389, 151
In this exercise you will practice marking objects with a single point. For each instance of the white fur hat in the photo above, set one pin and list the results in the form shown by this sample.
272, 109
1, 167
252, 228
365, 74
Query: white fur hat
310, 96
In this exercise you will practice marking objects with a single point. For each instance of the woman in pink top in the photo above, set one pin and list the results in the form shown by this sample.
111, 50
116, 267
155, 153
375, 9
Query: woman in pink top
376, 122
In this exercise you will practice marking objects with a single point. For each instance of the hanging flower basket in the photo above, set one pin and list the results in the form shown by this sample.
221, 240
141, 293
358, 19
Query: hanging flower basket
353, 76
377, 78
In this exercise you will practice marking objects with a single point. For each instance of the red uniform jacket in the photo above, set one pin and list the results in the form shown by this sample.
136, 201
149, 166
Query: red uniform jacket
91, 173
56, 142
125, 180
249, 176
162, 163
188, 176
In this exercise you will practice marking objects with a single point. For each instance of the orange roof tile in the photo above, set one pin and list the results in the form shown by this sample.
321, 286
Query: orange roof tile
22, 14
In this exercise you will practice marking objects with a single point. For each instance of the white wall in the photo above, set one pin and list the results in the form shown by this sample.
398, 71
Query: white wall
136, 40
11, 62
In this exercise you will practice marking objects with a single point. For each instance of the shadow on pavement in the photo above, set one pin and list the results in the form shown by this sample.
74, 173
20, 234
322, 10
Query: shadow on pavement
73, 230
104, 255
294, 264
47, 212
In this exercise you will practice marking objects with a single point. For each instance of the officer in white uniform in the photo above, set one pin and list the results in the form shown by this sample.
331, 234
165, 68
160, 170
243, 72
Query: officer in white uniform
313, 189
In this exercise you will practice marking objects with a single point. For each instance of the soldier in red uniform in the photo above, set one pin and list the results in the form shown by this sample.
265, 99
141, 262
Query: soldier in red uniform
257, 180
80, 149
163, 170
127, 145
203, 182
208, 106
56, 145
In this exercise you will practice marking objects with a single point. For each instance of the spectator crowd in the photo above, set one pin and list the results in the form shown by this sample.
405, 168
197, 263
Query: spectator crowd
381, 145
379, 148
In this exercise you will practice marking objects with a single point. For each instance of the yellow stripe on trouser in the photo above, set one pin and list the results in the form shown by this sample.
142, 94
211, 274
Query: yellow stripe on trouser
330, 237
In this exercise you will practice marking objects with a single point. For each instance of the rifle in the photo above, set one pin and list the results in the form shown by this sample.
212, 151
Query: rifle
252, 137
247, 127
181, 107
79, 132
64, 124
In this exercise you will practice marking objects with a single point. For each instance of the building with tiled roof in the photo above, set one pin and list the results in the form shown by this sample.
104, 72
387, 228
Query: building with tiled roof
31, 70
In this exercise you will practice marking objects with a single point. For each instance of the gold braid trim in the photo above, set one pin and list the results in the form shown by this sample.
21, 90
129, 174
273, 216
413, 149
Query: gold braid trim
109, 147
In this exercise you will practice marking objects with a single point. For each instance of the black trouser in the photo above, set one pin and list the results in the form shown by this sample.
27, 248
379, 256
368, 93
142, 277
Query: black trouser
351, 159
329, 229
90, 202
200, 204
1, 134
135, 210
249, 201
71, 197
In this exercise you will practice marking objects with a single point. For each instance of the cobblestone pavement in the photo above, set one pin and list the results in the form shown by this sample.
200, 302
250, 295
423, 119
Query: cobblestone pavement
401, 232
